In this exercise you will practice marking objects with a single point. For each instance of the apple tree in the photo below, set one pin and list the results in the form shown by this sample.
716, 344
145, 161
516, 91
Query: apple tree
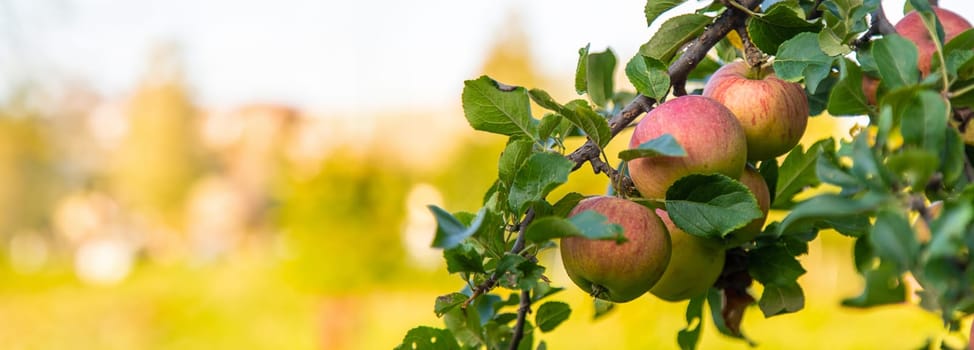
685, 215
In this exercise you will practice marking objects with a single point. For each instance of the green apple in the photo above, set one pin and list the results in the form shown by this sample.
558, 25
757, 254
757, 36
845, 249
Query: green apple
773, 112
695, 264
756, 184
618, 272
712, 137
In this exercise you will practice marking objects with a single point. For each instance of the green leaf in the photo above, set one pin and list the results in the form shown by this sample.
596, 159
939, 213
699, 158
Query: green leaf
924, 121
847, 97
551, 314
429, 338
463, 258
518, 272
814, 210
581, 70
778, 24
893, 240
716, 301
780, 299
664, 145
549, 125
948, 230
543, 290
447, 302
913, 167
673, 34
774, 265
579, 113
896, 58
801, 58
514, 155
541, 173
649, 76
952, 157
796, 173
710, 205
654, 8
566, 204
883, 286
490, 108
450, 231
601, 76
962, 42
602, 307
769, 170
590, 122
588, 224
689, 336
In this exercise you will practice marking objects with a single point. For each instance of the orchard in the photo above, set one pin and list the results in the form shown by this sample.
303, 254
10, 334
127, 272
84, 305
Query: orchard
685, 218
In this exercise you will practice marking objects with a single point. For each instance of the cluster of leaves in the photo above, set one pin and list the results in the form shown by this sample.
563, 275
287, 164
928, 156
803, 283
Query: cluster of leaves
904, 183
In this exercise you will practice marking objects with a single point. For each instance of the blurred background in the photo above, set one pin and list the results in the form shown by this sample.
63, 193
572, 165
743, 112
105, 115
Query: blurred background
254, 175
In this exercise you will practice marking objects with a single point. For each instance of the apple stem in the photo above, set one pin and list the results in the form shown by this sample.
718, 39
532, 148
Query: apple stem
598, 291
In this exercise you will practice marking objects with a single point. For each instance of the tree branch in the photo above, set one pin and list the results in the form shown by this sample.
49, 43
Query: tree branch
878, 25
590, 151
522, 313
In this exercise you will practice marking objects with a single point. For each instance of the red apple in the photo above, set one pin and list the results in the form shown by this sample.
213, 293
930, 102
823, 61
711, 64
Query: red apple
618, 272
695, 264
712, 137
754, 182
911, 27
870, 87
772, 111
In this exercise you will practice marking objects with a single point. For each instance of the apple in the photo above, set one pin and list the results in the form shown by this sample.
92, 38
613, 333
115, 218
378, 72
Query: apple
712, 137
618, 272
695, 264
870, 87
912, 28
773, 112
754, 182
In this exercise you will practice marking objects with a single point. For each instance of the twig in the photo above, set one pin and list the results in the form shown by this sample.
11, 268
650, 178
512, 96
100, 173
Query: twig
752, 55
879, 24
522, 313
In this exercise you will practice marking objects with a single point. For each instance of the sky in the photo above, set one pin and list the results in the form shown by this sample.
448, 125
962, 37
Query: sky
346, 56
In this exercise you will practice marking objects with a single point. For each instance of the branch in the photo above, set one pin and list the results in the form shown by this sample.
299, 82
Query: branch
522, 313
879, 25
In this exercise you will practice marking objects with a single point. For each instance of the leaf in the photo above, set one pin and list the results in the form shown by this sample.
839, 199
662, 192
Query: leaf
514, 155
543, 290
548, 125
672, 35
883, 286
581, 70
727, 308
773, 265
847, 97
518, 272
796, 173
450, 231
463, 258
447, 302
541, 173
649, 76
896, 59
430, 338
780, 299
893, 240
913, 167
600, 76
769, 171
924, 121
710, 205
492, 109
778, 24
689, 336
579, 113
588, 224
829, 206
594, 125
654, 8
551, 314
602, 307
664, 145
801, 58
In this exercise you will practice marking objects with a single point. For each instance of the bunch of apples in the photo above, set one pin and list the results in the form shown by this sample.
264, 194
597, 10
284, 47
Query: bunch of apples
745, 114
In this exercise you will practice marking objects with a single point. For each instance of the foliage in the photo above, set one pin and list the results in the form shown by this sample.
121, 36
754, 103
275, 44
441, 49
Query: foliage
902, 187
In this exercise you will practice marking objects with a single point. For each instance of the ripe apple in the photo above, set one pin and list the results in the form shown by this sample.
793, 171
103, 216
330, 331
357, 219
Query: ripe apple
754, 182
618, 272
773, 112
695, 264
912, 28
712, 137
